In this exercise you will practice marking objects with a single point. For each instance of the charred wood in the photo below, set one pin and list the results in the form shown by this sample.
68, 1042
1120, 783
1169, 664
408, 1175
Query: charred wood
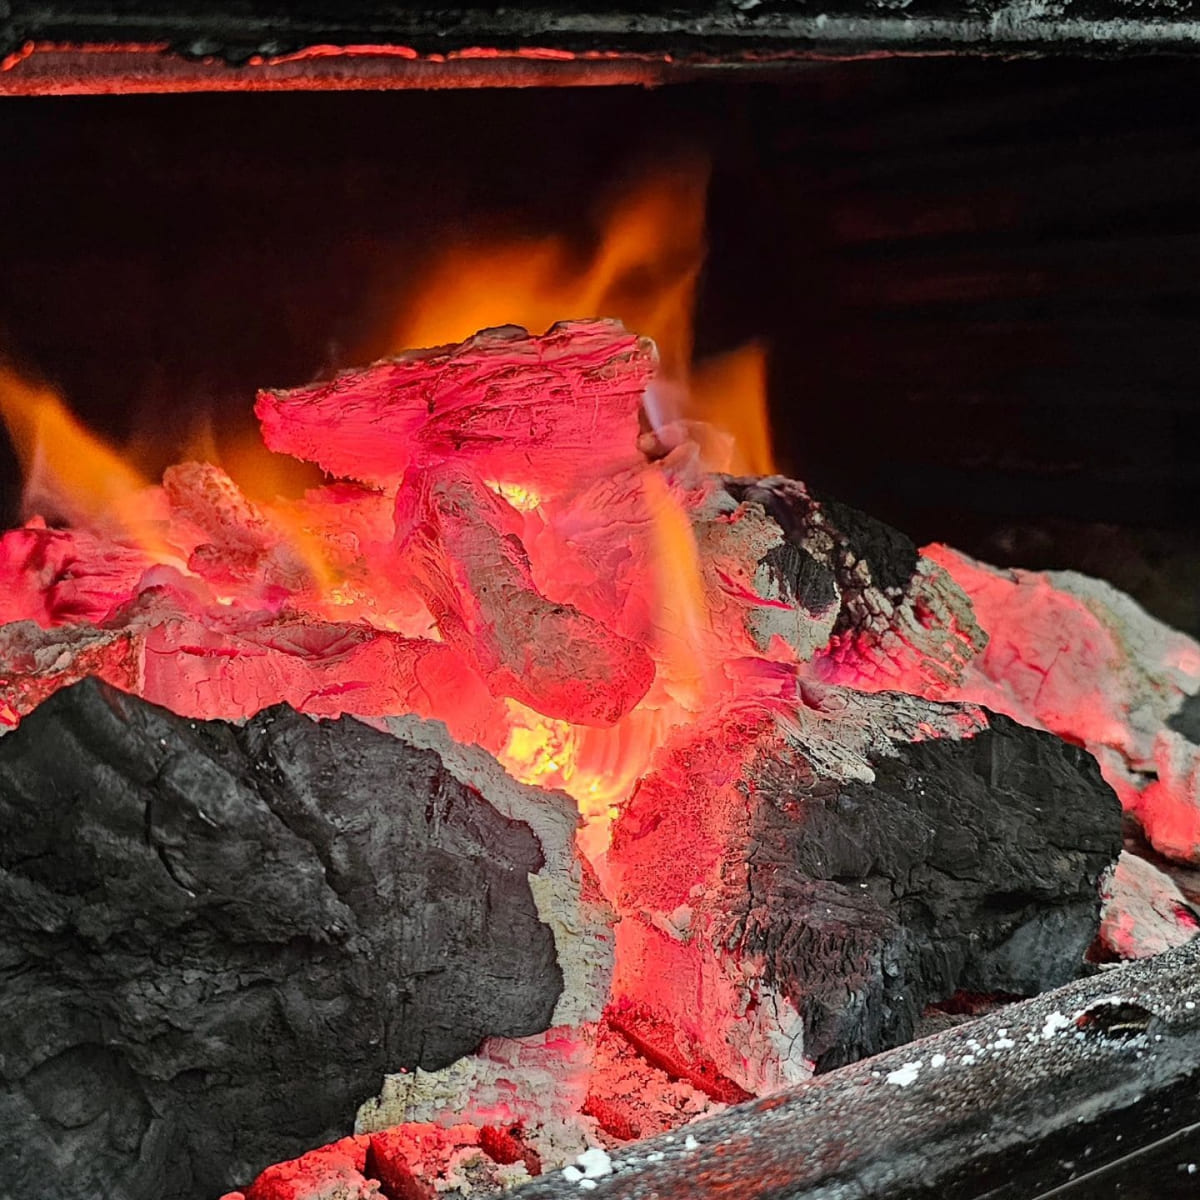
823, 871
900, 620
216, 940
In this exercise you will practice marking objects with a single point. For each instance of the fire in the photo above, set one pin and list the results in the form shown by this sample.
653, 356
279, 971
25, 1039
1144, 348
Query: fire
641, 266
70, 472
682, 617
742, 375
245, 559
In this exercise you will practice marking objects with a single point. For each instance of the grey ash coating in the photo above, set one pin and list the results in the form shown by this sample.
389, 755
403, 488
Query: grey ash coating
830, 550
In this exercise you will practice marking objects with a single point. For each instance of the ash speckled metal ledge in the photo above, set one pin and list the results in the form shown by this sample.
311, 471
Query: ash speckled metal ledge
1072, 1094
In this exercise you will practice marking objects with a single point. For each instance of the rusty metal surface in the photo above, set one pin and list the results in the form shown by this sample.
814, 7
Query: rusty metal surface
1033, 1100
94, 47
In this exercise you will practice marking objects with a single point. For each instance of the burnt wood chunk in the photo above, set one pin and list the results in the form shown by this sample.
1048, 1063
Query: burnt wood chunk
216, 940
901, 620
463, 546
541, 412
822, 872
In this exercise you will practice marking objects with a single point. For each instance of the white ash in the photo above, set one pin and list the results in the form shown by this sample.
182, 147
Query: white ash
1055, 1024
1143, 911
905, 1075
594, 1163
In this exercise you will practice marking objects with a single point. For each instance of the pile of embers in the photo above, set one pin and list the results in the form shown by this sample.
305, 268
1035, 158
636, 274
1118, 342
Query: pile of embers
663, 789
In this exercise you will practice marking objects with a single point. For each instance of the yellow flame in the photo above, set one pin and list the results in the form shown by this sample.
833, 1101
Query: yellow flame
523, 499
597, 768
69, 471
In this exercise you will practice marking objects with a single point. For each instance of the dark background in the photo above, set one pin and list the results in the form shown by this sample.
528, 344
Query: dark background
979, 281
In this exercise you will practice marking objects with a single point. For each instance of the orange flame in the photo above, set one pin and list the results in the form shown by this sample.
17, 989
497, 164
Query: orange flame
260, 474
642, 268
70, 472
682, 609
729, 392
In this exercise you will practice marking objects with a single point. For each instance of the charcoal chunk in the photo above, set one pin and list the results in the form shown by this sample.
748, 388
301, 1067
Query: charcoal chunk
966, 864
216, 940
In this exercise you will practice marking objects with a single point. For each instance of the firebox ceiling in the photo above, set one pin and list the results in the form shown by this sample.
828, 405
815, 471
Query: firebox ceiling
76, 48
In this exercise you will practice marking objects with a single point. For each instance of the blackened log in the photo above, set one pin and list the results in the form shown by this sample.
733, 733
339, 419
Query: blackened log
215, 940
823, 871
1091, 1089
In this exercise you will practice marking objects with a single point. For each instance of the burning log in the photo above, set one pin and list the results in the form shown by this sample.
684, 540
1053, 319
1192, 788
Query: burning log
59, 576
542, 412
219, 664
899, 621
234, 542
1075, 656
823, 866
462, 545
218, 939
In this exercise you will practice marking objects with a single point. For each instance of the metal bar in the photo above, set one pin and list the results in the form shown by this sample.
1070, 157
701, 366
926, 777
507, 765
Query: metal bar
61, 48
1036, 1097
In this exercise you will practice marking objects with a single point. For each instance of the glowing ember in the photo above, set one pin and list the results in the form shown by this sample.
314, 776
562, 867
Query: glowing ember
508, 561
511, 547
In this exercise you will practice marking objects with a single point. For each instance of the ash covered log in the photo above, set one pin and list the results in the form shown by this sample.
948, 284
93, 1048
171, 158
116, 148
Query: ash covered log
1091, 1089
461, 541
1077, 656
1144, 912
216, 940
823, 865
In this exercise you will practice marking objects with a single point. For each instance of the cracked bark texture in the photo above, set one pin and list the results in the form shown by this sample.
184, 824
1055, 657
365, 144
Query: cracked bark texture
215, 940
899, 620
